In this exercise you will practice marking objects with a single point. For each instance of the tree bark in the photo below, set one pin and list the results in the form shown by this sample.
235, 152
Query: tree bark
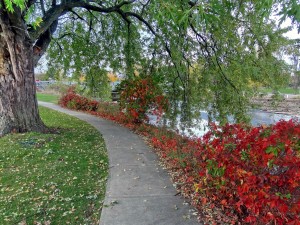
18, 103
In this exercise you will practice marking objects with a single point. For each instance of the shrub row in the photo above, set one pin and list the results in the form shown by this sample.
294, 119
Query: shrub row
72, 100
235, 174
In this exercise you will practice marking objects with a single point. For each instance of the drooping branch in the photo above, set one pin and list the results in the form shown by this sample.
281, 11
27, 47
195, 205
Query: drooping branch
206, 46
140, 18
78, 16
58, 10
144, 6
42, 35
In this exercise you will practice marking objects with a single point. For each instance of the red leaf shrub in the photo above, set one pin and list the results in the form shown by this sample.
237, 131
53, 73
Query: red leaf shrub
72, 100
141, 96
249, 172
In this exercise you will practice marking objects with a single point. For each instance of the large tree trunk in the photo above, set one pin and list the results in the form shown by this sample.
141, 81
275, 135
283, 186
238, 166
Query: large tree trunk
18, 104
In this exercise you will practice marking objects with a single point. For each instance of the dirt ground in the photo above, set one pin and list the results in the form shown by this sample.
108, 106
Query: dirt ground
289, 106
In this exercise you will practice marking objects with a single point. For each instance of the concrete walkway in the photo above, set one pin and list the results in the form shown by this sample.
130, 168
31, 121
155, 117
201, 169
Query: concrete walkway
139, 191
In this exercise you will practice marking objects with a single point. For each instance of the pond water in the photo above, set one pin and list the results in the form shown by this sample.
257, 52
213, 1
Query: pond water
258, 117
261, 117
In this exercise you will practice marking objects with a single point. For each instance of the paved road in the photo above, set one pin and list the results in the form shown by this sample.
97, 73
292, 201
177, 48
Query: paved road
139, 191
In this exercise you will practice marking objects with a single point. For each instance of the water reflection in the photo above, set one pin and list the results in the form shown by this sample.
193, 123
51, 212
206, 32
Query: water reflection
258, 117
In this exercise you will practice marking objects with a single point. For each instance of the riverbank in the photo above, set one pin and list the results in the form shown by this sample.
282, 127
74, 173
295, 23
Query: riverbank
289, 105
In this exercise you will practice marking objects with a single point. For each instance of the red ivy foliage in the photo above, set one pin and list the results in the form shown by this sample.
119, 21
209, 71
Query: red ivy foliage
141, 96
72, 100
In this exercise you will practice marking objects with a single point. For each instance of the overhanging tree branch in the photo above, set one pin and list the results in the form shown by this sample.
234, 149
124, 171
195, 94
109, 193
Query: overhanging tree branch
140, 18
42, 35
205, 45
58, 10
78, 16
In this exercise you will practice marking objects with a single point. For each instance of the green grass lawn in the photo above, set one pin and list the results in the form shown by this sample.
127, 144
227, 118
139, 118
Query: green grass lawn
47, 97
55, 178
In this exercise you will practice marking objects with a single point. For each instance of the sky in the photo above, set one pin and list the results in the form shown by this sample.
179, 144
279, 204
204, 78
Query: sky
293, 34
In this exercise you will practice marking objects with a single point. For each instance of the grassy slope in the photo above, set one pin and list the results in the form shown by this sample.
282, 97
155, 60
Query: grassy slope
281, 90
47, 97
58, 178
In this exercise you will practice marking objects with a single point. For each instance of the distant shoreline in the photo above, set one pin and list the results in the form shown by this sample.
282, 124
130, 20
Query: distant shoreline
288, 106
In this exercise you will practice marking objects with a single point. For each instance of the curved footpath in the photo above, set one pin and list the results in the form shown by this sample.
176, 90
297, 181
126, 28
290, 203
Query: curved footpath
139, 191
